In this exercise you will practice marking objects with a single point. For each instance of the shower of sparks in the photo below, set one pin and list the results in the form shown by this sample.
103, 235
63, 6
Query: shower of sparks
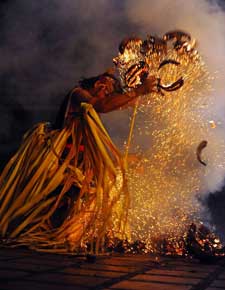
167, 184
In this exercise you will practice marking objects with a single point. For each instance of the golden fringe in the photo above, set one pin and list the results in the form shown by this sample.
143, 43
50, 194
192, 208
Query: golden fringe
28, 188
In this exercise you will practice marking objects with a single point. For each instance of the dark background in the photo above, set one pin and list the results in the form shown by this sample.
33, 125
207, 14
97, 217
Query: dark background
44, 50
45, 47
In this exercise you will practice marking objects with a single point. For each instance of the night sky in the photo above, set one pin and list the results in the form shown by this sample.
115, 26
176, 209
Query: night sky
46, 47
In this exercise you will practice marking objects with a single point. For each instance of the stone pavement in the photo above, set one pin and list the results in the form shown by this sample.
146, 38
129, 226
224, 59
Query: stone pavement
27, 270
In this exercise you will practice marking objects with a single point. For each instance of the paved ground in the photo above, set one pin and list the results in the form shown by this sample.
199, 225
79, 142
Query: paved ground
26, 270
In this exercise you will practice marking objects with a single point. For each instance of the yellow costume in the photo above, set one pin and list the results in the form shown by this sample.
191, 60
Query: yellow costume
29, 199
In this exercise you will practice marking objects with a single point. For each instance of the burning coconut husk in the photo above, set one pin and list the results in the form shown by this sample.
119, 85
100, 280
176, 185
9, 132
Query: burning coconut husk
198, 242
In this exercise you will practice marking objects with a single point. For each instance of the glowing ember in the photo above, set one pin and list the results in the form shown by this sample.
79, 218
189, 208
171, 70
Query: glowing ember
212, 124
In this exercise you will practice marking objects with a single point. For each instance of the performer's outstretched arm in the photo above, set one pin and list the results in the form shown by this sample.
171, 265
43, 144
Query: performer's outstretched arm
102, 101
115, 101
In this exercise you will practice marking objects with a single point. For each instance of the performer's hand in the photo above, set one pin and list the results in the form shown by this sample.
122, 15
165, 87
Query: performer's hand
149, 85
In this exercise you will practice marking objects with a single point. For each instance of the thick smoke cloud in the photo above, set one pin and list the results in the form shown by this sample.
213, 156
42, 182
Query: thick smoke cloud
49, 45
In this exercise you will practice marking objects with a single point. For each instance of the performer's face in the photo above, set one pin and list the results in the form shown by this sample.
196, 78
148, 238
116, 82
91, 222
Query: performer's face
109, 85
105, 86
